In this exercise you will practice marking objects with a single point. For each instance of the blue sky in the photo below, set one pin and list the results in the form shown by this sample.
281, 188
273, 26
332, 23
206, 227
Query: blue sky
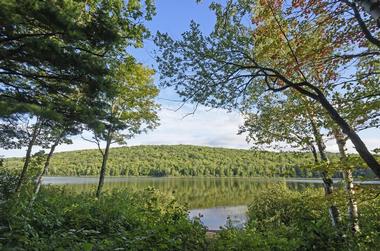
206, 127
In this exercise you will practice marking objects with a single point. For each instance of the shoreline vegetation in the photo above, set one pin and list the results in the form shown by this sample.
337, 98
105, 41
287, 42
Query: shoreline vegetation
135, 218
151, 220
286, 179
186, 160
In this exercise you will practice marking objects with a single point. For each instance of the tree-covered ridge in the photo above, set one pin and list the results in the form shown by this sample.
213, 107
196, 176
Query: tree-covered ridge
180, 160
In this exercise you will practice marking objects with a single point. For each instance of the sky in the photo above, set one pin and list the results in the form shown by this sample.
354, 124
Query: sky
216, 127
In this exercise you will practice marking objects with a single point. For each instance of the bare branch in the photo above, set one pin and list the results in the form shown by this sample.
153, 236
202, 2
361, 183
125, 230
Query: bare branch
95, 141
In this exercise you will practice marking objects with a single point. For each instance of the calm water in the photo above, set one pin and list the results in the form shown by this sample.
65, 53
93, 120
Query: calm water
215, 200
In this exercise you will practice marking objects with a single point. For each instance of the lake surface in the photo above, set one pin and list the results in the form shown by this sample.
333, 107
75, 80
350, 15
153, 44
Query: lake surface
215, 200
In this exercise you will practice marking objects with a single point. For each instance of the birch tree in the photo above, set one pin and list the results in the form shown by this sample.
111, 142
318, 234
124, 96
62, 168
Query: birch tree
296, 123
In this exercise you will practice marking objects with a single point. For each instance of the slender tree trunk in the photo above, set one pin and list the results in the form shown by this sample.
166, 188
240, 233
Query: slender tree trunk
360, 147
104, 164
45, 170
314, 152
35, 133
349, 184
328, 184
333, 210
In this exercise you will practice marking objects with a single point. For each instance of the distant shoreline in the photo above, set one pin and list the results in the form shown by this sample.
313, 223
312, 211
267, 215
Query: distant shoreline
61, 180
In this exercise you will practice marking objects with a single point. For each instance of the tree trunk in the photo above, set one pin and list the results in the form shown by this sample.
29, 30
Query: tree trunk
314, 152
45, 170
328, 184
349, 184
35, 132
104, 164
360, 147
372, 7
329, 189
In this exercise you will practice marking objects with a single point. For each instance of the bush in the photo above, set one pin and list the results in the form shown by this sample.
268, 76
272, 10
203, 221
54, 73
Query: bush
8, 183
279, 219
284, 219
120, 220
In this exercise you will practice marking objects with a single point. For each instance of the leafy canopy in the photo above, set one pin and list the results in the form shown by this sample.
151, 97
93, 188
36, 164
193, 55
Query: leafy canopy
56, 54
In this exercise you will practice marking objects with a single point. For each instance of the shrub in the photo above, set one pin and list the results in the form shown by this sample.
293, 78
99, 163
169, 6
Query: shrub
284, 219
8, 183
120, 220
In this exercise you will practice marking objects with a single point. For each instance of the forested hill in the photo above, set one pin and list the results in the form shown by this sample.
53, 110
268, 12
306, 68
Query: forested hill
179, 160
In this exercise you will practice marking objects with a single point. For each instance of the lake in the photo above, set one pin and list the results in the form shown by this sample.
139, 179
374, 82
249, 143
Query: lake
215, 200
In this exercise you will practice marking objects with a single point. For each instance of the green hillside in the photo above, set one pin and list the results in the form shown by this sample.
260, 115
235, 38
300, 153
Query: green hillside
178, 160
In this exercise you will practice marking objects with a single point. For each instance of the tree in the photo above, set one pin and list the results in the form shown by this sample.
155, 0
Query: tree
129, 111
59, 133
55, 61
349, 182
283, 122
23, 130
367, 118
228, 67
52, 50
296, 123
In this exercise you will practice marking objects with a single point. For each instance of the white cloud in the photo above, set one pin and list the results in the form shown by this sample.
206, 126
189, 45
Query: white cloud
205, 127
212, 128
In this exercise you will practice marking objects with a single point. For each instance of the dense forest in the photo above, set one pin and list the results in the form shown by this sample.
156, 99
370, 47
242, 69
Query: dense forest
185, 160
181, 160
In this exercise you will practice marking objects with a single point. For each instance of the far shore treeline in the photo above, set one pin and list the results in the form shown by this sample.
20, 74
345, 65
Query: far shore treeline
186, 160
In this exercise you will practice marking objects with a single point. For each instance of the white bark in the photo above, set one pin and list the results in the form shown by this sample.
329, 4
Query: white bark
327, 181
353, 212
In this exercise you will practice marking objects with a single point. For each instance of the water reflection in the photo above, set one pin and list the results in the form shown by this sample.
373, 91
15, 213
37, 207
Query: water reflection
217, 217
215, 199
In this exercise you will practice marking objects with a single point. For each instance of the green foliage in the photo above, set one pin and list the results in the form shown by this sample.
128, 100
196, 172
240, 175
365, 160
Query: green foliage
130, 109
279, 219
179, 160
145, 220
249, 239
284, 211
282, 219
8, 182
283, 121
66, 63
56, 54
